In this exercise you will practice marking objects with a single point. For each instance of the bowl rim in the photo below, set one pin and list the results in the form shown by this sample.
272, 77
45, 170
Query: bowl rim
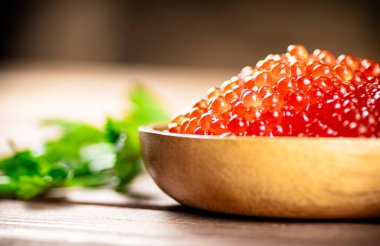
159, 129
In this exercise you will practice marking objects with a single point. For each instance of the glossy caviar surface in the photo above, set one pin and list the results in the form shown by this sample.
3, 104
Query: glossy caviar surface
292, 94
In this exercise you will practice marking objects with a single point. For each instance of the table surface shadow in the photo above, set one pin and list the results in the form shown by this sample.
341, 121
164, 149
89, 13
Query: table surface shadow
146, 216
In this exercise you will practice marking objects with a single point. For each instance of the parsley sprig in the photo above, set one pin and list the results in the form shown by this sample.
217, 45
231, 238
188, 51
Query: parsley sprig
83, 155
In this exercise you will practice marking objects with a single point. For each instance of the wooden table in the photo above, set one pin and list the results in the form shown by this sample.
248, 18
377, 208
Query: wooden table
146, 216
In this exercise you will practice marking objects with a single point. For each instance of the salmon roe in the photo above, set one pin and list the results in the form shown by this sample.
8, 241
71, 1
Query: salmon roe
298, 93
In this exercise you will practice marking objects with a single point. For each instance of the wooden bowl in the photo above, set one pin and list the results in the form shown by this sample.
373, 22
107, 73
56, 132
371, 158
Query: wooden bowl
273, 177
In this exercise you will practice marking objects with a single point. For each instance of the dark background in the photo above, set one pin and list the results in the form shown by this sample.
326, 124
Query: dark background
200, 33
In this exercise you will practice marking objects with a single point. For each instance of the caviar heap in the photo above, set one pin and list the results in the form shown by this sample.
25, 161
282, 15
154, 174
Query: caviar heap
292, 94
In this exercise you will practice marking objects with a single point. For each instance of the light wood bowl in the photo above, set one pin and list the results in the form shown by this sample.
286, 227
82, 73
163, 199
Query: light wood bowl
272, 177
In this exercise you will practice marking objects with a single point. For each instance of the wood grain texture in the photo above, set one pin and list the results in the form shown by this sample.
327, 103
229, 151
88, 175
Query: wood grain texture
282, 177
39, 223
148, 217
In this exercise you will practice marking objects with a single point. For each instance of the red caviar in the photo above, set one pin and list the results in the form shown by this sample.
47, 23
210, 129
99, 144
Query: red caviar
293, 94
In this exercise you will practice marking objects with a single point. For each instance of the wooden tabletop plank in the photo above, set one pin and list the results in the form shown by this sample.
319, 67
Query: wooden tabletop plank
147, 216
93, 224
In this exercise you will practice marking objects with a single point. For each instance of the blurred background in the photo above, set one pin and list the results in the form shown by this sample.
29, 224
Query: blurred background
75, 58
197, 33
